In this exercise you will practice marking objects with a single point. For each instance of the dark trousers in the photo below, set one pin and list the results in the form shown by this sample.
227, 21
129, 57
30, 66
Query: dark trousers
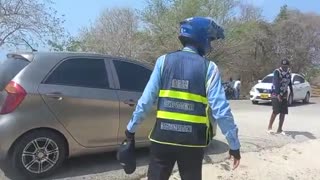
279, 107
164, 157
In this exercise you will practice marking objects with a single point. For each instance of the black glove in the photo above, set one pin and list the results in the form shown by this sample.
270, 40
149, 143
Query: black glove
129, 136
126, 154
235, 154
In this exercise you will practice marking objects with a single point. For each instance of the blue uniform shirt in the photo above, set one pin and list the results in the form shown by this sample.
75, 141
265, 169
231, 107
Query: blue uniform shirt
220, 109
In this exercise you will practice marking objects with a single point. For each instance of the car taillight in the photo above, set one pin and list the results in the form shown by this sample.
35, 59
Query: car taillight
15, 96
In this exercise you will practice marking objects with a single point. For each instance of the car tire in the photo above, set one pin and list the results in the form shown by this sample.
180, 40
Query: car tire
38, 154
255, 102
307, 98
290, 100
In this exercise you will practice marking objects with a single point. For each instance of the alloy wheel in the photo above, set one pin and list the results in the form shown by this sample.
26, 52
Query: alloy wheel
40, 155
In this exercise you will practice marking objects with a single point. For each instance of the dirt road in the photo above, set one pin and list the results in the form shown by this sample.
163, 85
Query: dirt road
260, 150
291, 162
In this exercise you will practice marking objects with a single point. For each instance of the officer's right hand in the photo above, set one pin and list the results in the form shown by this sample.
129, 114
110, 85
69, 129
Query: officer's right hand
235, 154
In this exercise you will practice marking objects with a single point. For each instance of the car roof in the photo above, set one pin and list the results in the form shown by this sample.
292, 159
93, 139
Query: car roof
65, 54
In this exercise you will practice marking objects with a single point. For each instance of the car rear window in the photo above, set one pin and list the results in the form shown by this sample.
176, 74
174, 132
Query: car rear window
9, 68
268, 79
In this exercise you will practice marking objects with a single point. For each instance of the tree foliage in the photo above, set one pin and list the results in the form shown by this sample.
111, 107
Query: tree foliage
162, 18
115, 32
69, 44
28, 19
252, 48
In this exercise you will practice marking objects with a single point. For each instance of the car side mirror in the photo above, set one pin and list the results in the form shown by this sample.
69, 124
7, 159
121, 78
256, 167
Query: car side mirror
296, 82
259, 81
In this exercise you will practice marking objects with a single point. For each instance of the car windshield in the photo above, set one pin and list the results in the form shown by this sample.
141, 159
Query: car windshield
267, 79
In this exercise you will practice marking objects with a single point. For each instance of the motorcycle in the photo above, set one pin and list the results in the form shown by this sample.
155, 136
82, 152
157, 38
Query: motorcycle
228, 89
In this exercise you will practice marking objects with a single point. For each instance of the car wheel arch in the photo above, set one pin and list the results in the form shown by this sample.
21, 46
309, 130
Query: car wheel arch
42, 129
305, 100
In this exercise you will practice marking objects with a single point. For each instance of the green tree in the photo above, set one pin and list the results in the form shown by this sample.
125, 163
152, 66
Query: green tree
71, 44
252, 47
283, 15
162, 18
114, 32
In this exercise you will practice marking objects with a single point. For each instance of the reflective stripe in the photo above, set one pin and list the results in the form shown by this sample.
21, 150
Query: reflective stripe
182, 117
176, 144
182, 106
176, 127
183, 96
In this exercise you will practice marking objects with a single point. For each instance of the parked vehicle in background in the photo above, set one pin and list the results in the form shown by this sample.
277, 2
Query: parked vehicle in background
261, 92
58, 105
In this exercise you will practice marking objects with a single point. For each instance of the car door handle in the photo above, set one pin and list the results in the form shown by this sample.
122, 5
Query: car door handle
129, 102
55, 95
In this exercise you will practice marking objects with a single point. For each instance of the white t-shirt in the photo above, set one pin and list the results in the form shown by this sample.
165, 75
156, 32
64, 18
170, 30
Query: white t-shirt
237, 84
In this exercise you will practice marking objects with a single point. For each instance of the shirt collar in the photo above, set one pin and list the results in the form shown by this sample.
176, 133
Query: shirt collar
190, 49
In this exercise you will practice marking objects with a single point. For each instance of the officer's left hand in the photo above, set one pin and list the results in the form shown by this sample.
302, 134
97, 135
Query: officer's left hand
235, 154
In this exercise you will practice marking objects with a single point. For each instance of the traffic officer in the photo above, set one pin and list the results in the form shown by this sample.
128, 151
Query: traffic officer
189, 92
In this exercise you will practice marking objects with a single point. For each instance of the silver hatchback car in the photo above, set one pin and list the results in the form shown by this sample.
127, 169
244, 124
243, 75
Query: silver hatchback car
59, 105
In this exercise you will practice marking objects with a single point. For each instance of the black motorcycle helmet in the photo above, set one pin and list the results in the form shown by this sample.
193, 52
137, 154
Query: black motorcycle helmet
126, 156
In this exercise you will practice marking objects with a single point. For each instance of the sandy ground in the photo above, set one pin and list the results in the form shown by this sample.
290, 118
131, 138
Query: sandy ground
264, 156
291, 162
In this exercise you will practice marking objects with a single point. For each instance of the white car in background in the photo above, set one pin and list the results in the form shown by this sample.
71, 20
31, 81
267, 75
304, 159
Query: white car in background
261, 92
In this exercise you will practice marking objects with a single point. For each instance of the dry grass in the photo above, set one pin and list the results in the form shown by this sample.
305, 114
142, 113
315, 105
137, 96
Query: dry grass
316, 91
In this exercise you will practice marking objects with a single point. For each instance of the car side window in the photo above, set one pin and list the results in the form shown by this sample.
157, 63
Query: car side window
295, 78
301, 79
82, 72
132, 77
298, 78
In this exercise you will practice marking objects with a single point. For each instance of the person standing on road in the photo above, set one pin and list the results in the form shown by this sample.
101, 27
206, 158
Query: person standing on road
229, 89
279, 97
186, 84
236, 87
